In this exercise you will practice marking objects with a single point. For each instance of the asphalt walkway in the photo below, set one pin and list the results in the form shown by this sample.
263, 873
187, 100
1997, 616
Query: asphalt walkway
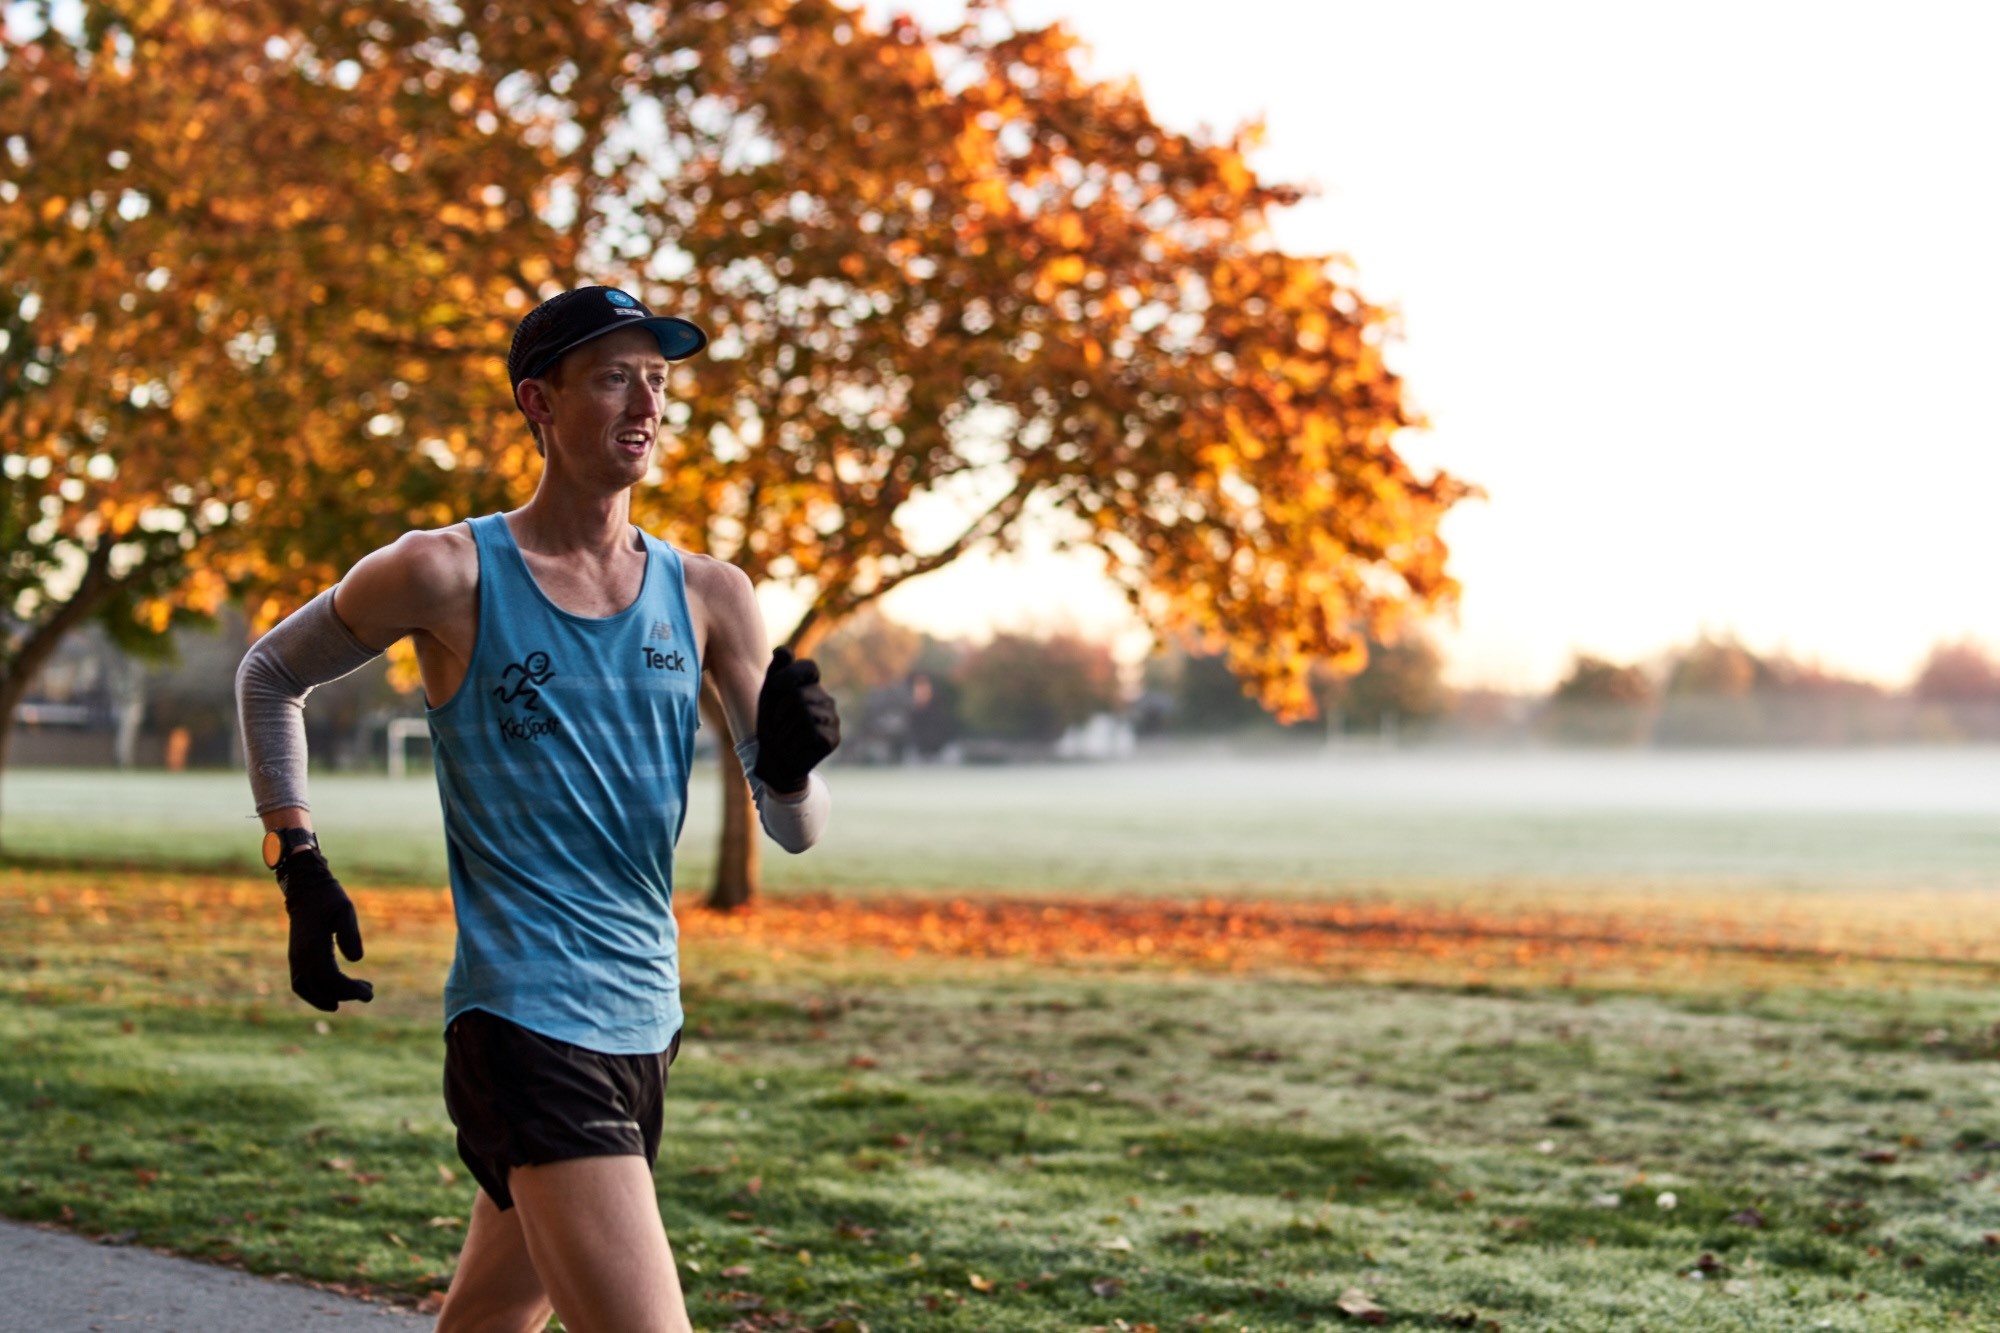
53, 1282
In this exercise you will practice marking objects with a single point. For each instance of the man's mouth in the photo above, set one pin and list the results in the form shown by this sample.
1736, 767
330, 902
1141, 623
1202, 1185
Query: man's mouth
636, 439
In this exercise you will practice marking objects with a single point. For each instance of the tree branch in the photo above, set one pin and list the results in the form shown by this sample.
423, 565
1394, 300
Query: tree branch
989, 524
995, 520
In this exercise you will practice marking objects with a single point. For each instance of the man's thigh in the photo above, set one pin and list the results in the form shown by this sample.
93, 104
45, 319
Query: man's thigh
495, 1288
593, 1229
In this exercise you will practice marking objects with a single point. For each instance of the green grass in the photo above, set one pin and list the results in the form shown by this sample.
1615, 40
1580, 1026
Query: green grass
864, 1138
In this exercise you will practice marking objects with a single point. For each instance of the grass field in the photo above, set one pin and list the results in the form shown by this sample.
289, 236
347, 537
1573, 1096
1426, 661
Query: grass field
1282, 825
1734, 1085
1069, 1132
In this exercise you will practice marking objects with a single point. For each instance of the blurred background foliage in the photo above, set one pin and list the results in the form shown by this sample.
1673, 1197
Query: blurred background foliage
259, 261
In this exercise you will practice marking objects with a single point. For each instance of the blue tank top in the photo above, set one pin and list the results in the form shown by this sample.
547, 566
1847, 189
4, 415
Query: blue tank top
562, 765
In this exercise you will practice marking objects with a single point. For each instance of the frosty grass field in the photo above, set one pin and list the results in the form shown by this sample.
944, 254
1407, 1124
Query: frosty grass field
1292, 823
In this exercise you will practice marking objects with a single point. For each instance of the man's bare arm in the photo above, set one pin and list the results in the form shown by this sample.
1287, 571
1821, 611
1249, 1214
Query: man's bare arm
736, 646
423, 583
768, 701
413, 586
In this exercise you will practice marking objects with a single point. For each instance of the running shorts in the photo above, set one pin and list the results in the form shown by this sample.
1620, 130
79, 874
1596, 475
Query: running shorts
521, 1099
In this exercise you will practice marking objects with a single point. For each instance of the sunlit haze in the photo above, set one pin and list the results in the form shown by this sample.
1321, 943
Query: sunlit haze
1703, 295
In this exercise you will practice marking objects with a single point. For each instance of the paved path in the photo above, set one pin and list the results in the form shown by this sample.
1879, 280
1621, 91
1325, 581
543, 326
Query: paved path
52, 1282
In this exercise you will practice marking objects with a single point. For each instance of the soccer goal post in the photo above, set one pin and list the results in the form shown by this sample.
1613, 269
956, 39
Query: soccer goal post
401, 730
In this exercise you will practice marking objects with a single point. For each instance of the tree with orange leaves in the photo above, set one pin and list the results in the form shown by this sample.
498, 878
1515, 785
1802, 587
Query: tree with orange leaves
260, 259
956, 288
951, 273
255, 259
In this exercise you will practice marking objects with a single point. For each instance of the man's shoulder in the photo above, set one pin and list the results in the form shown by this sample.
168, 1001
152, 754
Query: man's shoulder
714, 581
721, 597
423, 580
436, 560
447, 549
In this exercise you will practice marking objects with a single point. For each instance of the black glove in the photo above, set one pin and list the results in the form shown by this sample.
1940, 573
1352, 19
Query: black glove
321, 913
797, 724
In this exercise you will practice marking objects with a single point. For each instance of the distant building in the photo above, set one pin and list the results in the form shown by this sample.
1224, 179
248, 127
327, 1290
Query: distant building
914, 719
85, 708
94, 706
1102, 736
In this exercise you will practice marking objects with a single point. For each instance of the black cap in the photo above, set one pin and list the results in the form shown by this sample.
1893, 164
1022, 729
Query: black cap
574, 318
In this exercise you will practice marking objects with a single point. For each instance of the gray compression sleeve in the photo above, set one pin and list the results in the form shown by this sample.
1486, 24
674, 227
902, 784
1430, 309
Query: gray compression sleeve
307, 648
796, 823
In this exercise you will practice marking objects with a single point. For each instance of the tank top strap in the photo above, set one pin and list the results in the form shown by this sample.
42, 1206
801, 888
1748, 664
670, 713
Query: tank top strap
489, 532
667, 598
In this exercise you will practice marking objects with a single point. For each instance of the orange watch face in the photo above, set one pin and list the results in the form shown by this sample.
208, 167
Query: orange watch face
274, 849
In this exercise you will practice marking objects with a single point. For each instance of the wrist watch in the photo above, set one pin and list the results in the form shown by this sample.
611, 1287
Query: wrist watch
280, 843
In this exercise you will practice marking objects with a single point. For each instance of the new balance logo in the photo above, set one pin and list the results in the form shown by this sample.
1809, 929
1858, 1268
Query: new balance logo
661, 630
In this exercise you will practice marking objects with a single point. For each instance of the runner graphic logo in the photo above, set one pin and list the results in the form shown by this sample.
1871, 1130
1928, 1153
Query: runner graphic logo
518, 681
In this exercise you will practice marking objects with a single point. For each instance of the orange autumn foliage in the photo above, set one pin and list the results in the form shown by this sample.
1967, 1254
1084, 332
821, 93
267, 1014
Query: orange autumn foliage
258, 259
957, 287
959, 290
266, 254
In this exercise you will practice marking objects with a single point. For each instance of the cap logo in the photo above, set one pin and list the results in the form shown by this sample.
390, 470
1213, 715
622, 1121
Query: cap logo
619, 298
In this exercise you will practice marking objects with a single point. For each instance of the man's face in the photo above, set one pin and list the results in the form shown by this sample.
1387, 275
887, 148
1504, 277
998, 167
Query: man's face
605, 405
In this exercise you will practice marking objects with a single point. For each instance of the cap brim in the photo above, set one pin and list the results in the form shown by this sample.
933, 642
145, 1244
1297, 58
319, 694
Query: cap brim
679, 339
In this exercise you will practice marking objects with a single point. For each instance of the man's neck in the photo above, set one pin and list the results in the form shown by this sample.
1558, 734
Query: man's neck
559, 520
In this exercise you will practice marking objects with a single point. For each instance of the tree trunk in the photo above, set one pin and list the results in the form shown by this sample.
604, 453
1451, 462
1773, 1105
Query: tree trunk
19, 668
738, 858
11, 691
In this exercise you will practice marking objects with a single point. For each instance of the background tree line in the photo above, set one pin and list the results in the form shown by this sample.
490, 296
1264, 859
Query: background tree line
1716, 691
909, 695
1713, 691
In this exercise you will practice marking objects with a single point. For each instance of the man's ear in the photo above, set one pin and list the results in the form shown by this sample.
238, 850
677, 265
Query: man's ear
532, 397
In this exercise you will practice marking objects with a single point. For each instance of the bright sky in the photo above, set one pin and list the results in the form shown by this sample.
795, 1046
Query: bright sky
1707, 296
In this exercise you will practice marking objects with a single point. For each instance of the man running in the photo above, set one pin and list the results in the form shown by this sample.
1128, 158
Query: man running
562, 652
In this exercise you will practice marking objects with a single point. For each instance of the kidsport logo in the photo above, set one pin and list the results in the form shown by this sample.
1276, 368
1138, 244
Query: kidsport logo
519, 684
620, 299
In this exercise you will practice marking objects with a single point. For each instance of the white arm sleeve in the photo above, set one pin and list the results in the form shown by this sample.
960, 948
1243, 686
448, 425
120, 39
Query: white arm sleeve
307, 648
796, 823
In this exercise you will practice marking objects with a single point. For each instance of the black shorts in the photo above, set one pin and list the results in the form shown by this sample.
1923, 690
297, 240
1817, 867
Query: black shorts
521, 1099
